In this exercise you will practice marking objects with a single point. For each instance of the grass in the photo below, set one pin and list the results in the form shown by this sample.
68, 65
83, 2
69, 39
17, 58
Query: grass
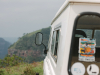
23, 69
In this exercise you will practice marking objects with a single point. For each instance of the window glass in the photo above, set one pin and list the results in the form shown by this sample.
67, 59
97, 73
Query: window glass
97, 37
54, 45
88, 29
88, 33
53, 42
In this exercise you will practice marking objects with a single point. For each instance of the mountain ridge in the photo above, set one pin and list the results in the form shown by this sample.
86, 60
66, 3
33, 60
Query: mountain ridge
26, 47
3, 47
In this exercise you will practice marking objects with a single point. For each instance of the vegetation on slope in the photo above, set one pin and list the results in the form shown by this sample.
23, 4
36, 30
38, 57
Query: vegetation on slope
10, 61
23, 69
26, 44
27, 41
14, 65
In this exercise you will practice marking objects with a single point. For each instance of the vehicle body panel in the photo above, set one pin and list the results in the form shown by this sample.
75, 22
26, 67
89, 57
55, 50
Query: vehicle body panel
66, 20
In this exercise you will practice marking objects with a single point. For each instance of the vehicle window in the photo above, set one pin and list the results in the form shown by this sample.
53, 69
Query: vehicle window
80, 34
88, 32
53, 42
54, 45
86, 44
97, 37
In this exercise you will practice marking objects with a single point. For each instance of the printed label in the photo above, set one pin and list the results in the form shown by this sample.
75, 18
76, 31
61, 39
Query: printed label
86, 49
78, 69
93, 69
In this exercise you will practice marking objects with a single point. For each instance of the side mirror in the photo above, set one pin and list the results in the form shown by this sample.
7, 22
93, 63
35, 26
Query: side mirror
39, 38
45, 51
39, 41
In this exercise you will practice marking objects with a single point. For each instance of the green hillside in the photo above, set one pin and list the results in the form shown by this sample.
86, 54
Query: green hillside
27, 41
26, 48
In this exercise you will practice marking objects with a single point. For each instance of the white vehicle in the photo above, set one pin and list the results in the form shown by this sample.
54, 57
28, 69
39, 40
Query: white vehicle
74, 44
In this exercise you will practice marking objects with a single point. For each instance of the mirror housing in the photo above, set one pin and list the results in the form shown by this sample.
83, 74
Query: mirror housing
39, 38
45, 51
39, 41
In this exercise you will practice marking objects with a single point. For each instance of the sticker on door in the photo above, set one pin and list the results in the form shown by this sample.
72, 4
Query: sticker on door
93, 69
78, 69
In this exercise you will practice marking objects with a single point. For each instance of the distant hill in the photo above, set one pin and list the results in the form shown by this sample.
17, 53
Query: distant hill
3, 48
25, 46
10, 39
28, 40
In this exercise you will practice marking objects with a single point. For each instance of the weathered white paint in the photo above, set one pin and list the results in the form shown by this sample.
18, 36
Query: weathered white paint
73, 1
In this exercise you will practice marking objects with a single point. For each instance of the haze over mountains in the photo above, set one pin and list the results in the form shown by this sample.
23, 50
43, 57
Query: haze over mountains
10, 39
3, 48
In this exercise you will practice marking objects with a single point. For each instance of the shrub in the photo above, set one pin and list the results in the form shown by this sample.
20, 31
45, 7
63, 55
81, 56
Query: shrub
29, 70
1, 72
11, 61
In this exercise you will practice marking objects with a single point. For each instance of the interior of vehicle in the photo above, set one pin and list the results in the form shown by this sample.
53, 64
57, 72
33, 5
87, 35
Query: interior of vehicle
88, 27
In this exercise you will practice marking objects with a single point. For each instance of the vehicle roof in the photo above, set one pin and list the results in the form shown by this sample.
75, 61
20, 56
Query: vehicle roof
72, 1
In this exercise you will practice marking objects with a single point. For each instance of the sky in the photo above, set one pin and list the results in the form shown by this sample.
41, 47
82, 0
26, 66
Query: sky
25, 16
